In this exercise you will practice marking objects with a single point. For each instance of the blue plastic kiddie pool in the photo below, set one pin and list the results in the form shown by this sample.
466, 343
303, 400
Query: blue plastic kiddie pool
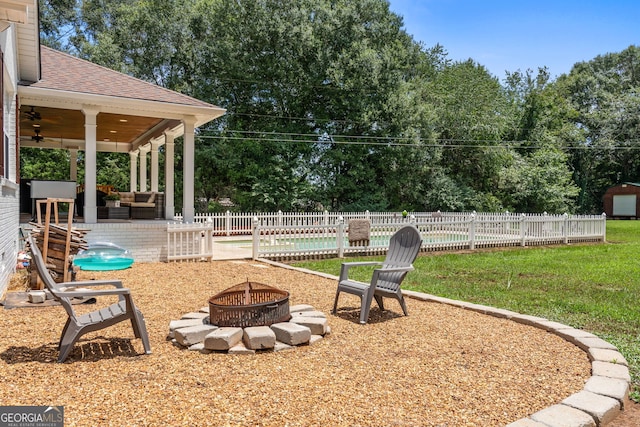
103, 257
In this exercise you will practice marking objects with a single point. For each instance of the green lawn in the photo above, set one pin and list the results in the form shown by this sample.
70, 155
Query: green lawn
595, 287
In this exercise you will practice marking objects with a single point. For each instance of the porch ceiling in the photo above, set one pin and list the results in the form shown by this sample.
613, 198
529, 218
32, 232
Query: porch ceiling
130, 112
64, 128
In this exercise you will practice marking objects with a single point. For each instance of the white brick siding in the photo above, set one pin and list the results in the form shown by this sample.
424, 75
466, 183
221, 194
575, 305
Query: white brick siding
9, 189
147, 242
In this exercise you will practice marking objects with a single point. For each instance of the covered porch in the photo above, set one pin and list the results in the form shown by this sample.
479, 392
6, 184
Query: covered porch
82, 107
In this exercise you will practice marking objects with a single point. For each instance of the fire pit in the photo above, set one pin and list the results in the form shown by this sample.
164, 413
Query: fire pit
249, 304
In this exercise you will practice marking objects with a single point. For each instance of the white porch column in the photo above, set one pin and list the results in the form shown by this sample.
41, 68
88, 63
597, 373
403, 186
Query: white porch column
154, 165
169, 195
73, 164
90, 128
188, 158
133, 170
143, 167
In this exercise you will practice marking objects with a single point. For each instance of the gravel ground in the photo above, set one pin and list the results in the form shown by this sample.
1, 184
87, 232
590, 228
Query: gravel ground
439, 366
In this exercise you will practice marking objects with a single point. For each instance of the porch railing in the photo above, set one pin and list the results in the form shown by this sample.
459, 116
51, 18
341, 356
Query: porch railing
189, 242
283, 236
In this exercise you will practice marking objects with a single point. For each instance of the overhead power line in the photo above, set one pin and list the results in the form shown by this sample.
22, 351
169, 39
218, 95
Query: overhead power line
374, 141
314, 119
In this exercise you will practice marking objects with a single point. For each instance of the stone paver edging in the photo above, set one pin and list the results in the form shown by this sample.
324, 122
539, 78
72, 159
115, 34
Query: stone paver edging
604, 394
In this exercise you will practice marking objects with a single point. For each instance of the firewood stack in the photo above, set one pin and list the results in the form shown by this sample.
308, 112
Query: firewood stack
58, 256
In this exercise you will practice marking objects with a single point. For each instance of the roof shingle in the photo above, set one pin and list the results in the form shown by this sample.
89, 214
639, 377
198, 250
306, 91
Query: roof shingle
64, 72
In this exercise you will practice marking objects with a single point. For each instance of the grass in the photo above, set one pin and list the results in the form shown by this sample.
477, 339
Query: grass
594, 287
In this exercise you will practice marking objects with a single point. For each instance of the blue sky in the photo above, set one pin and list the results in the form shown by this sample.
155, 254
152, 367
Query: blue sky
512, 35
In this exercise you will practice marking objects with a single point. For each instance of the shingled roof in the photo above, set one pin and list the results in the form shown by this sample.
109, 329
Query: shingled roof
85, 77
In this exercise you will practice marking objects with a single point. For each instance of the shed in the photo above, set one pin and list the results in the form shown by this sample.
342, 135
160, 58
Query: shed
622, 201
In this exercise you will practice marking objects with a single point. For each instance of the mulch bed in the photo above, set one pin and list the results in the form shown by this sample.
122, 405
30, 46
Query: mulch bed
439, 366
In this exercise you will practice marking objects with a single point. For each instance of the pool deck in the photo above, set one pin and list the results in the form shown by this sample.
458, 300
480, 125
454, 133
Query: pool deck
226, 251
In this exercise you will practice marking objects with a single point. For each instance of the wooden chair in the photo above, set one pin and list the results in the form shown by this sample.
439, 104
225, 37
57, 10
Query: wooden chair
386, 280
78, 325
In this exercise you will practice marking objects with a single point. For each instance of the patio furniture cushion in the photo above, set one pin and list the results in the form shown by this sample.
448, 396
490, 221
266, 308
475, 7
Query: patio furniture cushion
145, 197
126, 198
144, 200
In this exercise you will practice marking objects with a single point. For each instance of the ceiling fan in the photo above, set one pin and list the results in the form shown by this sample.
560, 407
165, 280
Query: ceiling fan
33, 115
37, 137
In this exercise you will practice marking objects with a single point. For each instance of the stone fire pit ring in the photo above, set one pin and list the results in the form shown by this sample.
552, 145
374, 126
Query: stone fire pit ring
306, 326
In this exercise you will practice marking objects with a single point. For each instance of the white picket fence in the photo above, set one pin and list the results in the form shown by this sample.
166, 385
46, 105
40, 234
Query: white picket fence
283, 236
241, 223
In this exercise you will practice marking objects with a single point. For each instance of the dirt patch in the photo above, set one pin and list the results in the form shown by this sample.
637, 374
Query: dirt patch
630, 417
438, 366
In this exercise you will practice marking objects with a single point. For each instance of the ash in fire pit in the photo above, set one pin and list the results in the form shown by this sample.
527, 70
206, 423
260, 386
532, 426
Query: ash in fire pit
249, 304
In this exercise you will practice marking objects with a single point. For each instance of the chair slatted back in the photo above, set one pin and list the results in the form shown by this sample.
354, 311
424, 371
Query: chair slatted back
403, 250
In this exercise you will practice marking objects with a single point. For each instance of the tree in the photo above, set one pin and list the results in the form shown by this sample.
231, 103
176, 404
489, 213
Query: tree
310, 85
536, 177
44, 164
57, 21
539, 182
330, 104
472, 116
114, 170
604, 93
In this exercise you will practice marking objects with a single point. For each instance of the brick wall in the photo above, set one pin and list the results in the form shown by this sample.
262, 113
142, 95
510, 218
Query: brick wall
147, 242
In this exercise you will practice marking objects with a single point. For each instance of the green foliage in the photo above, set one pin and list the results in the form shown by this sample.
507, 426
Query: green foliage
592, 286
113, 170
536, 177
539, 182
57, 19
36, 163
46, 164
604, 94
331, 104
293, 76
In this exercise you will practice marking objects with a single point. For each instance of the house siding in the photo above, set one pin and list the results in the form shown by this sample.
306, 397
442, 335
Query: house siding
10, 242
9, 238
27, 37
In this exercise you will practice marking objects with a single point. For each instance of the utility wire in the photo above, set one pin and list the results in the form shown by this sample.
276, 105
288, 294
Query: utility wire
435, 143
330, 120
